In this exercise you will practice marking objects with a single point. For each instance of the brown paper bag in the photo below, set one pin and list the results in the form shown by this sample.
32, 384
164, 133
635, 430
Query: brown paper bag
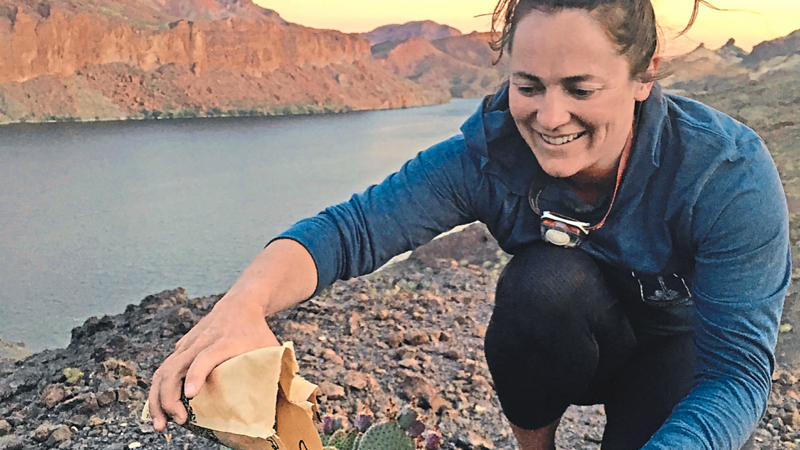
256, 401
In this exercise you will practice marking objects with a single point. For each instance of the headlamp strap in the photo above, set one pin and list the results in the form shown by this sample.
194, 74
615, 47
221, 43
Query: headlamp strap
533, 199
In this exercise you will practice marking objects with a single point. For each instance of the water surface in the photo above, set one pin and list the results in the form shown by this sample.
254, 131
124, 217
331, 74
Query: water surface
96, 216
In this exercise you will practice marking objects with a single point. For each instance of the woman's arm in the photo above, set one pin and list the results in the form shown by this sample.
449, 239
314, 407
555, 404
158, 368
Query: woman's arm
742, 271
282, 275
432, 193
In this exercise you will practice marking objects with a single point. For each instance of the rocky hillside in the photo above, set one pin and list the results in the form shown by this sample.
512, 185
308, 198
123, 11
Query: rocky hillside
414, 330
73, 59
782, 47
400, 32
463, 65
704, 69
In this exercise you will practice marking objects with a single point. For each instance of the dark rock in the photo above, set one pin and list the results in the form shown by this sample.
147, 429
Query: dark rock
332, 391
53, 395
183, 321
92, 326
417, 338
43, 432
59, 435
417, 387
106, 398
89, 404
355, 380
12, 443
78, 420
394, 340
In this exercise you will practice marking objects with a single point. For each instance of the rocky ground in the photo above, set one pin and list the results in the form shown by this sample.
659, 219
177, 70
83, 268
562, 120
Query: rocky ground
414, 329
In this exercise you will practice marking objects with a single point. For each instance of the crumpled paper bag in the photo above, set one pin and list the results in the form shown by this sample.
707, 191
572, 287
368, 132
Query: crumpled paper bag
256, 401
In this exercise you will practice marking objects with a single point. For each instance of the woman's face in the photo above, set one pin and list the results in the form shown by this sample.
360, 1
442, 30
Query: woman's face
571, 94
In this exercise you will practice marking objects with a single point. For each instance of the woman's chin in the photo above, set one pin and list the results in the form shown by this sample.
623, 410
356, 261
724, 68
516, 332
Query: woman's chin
559, 170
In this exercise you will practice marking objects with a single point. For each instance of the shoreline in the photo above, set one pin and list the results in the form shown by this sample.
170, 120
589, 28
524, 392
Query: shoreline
307, 111
13, 351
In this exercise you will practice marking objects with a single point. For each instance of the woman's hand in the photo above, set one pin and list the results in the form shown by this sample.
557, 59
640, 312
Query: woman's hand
282, 275
232, 328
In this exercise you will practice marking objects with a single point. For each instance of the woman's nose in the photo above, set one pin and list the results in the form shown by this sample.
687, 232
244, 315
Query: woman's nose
552, 112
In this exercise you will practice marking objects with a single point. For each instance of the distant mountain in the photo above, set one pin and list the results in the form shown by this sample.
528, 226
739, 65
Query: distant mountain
781, 47
461, 64
706, 70
101, 59
400, 32
702, 63
144, 14
730, 51
471, 48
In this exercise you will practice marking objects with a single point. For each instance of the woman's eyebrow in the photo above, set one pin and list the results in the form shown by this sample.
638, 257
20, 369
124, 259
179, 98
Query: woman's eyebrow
527, 76
575, 79
579, 79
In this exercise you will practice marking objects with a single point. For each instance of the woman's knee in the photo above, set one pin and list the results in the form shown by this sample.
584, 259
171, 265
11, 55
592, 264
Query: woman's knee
541, 345
549, 281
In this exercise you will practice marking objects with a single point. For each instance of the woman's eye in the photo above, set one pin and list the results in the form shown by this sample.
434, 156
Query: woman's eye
580, 93
529, 90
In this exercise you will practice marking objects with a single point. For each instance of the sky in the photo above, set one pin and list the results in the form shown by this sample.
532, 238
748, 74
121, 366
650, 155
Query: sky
767, 19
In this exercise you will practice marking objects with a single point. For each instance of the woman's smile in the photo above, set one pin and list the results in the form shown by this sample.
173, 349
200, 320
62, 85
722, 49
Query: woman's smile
572, 95
561, 139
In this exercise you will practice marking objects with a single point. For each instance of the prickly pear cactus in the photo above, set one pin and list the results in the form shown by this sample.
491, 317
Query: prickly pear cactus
385, 436
416, 429
406, 417
433, 440
337, 438
364, 418
349, 443
327, 424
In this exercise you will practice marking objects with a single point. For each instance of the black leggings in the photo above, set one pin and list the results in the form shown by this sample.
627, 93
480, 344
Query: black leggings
558, 337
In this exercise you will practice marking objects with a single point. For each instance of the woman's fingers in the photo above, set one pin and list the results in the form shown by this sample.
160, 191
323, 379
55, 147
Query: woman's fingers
202, 365
222, 335
154, 404
212, 356
165, 391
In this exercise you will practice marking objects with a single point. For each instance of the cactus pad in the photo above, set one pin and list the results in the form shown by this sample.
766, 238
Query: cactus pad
350, 441
337, 438
385, 436
406, 417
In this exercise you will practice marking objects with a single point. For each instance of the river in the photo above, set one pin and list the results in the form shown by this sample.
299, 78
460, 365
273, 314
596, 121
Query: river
95, 216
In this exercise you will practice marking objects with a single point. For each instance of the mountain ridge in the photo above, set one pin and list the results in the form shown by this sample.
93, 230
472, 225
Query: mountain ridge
79, 60
428, 29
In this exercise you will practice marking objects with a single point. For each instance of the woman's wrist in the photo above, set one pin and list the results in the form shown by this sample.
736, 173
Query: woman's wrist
281, 276
248, 298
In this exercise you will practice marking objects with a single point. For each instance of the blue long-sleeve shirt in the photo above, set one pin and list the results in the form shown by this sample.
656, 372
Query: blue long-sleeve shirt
701, 198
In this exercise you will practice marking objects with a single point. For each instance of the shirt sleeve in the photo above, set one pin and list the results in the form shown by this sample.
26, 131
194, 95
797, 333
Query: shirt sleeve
742, 271
430, 194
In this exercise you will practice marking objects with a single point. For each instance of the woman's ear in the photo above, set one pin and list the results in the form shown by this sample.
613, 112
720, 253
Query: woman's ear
643, 88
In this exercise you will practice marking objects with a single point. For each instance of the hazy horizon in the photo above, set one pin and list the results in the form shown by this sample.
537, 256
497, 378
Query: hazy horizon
771, 19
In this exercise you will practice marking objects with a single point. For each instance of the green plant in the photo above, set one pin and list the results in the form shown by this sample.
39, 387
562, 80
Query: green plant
398, 432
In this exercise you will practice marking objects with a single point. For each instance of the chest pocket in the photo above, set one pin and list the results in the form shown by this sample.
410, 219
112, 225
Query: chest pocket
658, 303
663, 290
